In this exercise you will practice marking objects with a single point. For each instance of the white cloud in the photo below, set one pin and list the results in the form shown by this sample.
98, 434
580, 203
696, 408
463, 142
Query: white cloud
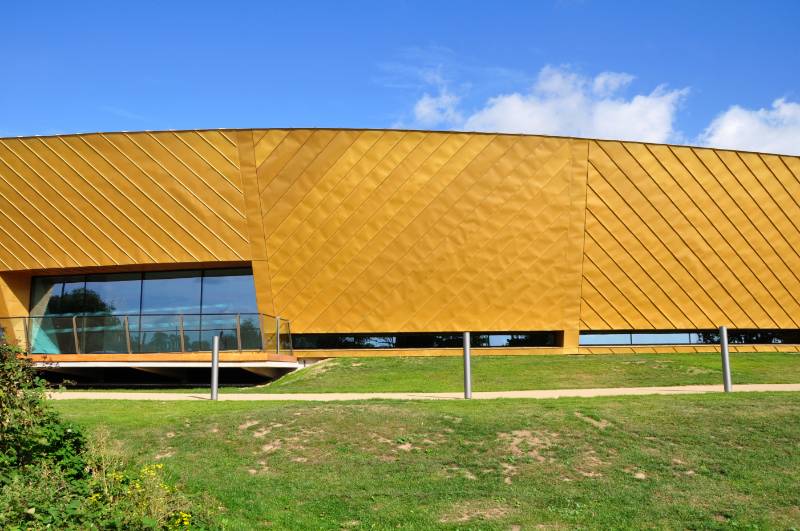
440, 109
562, 102
607, 83
774, 130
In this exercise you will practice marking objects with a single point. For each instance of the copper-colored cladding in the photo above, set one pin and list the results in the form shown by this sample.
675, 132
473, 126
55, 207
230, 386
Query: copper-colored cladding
679, 237
391, 231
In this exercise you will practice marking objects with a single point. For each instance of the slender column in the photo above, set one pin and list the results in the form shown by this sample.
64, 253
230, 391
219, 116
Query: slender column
277, 335
180, 331
239, 331
215, 369
75, 334
467, 367
127, 334
27, 328
726, 362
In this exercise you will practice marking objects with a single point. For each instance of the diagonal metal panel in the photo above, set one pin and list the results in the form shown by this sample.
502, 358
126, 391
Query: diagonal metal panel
395, 230
115, 199
689, 238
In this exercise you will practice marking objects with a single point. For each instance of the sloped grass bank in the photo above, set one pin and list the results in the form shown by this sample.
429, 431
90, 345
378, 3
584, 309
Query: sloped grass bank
512, 373
701, 461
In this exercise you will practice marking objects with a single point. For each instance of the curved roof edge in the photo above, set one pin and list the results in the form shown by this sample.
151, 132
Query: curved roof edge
439, 131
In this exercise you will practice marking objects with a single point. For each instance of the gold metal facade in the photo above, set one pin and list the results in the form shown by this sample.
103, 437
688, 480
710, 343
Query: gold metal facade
678, 237
392, 231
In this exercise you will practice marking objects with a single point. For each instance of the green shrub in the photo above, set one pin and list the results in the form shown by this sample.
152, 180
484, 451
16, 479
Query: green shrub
44, 498
52, 477
30, 431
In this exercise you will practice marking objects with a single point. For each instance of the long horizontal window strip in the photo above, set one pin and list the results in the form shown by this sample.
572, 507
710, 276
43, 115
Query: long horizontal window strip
689, 337
410, 340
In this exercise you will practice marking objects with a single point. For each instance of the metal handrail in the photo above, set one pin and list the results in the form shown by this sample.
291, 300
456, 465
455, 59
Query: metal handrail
128, 338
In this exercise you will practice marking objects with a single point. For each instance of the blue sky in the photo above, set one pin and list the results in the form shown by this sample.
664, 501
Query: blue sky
724, 73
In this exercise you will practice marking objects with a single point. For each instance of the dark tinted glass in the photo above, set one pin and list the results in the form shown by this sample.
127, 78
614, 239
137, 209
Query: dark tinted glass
516, 339
425, 340
46, 294
171, 292
52, 335
162, 333
756, 337
691, 337
73, 298
229, 291
102, 334
113, 294
58, 295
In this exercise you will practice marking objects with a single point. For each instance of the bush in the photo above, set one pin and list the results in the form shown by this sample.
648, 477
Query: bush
52, 477
31, 432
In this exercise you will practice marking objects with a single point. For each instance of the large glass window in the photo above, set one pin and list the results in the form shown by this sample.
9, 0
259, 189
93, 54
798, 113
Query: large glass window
693, 337
228, 291
425, 340
164, 311
113, 294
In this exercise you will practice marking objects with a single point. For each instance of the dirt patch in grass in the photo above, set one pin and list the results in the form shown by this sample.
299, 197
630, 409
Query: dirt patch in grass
169, 452
272, 446
635, 472
468, 511
528, 443
599, 424
509, 471
590, 465
247, 424
454, 470
321, 367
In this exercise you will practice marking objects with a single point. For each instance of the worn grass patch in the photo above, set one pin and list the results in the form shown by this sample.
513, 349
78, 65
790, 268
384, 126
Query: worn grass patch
702, 461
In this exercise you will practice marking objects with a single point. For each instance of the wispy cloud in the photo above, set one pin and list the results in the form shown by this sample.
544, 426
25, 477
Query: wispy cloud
773, 130
561, 101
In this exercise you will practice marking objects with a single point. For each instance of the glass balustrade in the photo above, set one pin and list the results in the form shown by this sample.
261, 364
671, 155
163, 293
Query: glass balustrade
147, 333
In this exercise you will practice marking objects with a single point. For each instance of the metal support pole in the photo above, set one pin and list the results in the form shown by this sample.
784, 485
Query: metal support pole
726, 362
127, 334
467, 368
27, 328
215, 369
182, 337
239, 332
75, 333
261, 332
277, 335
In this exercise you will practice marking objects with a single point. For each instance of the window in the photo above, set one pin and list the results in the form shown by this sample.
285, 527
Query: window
228, 291
402, 340
517, 339
693, 337
95, 310
113, 294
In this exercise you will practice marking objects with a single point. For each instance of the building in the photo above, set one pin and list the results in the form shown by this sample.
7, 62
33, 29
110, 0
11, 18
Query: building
136, 248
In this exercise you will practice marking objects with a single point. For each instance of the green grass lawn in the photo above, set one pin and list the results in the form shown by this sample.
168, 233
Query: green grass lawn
697, 461
511, 373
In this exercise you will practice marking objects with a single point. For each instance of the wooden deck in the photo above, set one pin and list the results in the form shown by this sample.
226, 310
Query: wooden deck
225, 356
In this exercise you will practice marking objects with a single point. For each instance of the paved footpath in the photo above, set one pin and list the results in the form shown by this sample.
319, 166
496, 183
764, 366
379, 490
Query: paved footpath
327, 397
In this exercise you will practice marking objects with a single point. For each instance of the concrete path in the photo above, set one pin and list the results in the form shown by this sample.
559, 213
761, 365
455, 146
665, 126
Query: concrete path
326, 397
